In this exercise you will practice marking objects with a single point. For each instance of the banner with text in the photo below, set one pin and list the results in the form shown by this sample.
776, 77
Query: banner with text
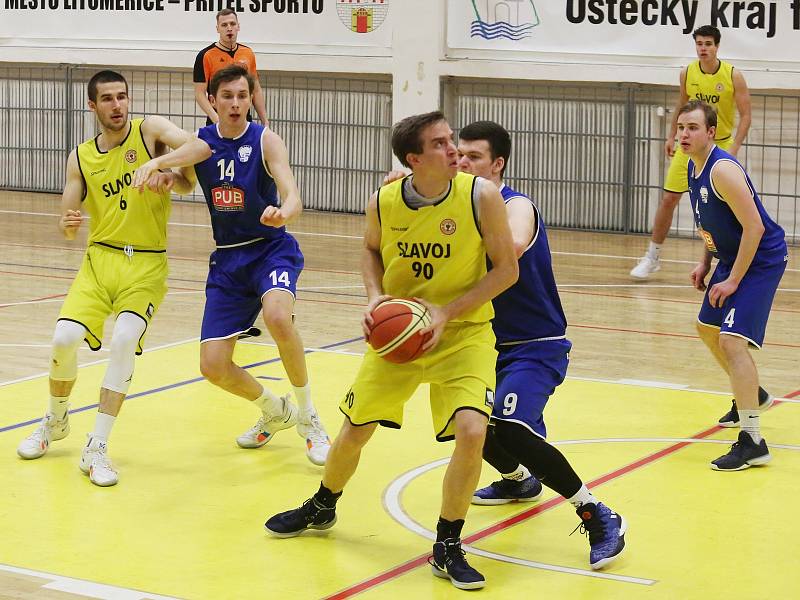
164, 24
751, 30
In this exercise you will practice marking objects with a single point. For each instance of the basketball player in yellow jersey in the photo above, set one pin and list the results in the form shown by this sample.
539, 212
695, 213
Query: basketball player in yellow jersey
124, 270
717, 83
427, 235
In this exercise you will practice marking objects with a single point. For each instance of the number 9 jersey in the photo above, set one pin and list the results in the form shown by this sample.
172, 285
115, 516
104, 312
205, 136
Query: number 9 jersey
237, 186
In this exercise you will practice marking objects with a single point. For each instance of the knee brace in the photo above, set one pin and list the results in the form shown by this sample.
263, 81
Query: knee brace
128, 329
64, 355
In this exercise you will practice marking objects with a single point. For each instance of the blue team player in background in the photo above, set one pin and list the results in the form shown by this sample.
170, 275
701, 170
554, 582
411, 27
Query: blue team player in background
243, 169
752, 254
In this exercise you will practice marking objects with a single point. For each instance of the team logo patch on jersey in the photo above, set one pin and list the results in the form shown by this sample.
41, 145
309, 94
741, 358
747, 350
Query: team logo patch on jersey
130, 156
704, 194
448, 227
244, 153
720, 87
227, 198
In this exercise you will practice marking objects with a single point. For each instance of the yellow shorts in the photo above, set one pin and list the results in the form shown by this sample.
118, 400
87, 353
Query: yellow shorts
677, 179
111, 282
460, 371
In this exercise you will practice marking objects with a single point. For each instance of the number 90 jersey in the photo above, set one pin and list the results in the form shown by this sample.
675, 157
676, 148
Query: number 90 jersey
434, 252
237, 186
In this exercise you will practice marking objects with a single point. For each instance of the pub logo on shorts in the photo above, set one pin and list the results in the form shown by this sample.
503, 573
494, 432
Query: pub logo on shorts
245, 152
447, 227
227, 198
130, 156
362, 16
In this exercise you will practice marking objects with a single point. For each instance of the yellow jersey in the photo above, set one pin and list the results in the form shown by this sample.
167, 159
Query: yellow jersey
120, 214
715, 89
433, 252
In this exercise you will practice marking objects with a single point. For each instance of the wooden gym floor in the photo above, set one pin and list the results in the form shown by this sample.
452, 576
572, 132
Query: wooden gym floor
636, 417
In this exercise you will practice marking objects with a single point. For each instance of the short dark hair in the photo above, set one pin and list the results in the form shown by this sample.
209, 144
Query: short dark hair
228, 74
708, 31
103, 77
708, 110
225, 12
495, 134
407, 134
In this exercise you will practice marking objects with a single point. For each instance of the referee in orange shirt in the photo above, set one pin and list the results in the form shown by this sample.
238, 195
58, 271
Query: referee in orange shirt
220, 54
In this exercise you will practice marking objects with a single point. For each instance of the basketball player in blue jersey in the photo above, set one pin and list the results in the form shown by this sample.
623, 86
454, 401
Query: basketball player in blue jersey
533, 354
752, 255
243, 169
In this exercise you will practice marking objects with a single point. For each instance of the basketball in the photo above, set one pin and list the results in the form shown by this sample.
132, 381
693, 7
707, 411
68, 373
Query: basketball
396, 326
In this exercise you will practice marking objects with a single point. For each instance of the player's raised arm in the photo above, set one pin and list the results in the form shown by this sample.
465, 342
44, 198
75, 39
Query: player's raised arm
276, 160
192, 152
71, 217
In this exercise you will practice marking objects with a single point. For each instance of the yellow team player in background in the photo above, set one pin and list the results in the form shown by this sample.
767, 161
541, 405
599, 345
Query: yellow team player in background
717, 83
124, 270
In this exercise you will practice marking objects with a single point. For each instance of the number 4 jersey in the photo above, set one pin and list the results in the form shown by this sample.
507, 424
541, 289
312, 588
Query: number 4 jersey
237, 186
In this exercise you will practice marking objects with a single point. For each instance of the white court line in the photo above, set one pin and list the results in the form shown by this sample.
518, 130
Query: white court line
315, 350
97, 362
393, 505
84, 587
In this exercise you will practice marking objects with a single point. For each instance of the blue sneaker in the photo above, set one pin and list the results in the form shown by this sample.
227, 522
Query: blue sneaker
508, 490
448, 562
311, 515
743, 454
606, 530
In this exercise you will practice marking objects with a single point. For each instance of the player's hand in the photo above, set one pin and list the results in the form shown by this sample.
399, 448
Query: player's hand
366, 319
142, 175
161, 182
69, 223
720, 292
393, 176
669, 147
274, 217
698, 276
439, 318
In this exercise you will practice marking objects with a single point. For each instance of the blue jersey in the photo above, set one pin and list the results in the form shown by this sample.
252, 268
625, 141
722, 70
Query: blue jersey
530, 310
719, 226
237, 186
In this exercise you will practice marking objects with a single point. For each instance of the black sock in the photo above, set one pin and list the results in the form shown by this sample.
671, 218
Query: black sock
544, 461
496, 455
446, 530
762, 395
326, 498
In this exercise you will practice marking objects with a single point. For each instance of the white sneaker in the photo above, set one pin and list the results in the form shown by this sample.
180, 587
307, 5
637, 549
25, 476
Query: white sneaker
268, 425
96, 464
646, 267
49, 430
318, 444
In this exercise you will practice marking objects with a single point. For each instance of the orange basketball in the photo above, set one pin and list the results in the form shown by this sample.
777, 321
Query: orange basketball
395, 333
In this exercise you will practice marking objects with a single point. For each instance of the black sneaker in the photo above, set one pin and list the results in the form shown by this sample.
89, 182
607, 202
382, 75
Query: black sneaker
743, 454
731, 418
311, 515
448, 562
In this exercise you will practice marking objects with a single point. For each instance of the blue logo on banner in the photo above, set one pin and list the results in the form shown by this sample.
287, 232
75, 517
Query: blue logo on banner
509, 19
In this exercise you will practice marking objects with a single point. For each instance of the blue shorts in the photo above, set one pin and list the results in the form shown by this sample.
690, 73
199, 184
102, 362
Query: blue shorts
527, 375
746, 311
239, 277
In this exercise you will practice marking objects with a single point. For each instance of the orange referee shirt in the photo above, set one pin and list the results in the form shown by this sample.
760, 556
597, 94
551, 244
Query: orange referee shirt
213, 58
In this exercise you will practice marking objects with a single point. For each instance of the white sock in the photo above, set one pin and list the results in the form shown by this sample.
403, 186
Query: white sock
584, 496
269, 403
751, 423
520, 474
102, 426
58, 407
303, 396
654, 250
